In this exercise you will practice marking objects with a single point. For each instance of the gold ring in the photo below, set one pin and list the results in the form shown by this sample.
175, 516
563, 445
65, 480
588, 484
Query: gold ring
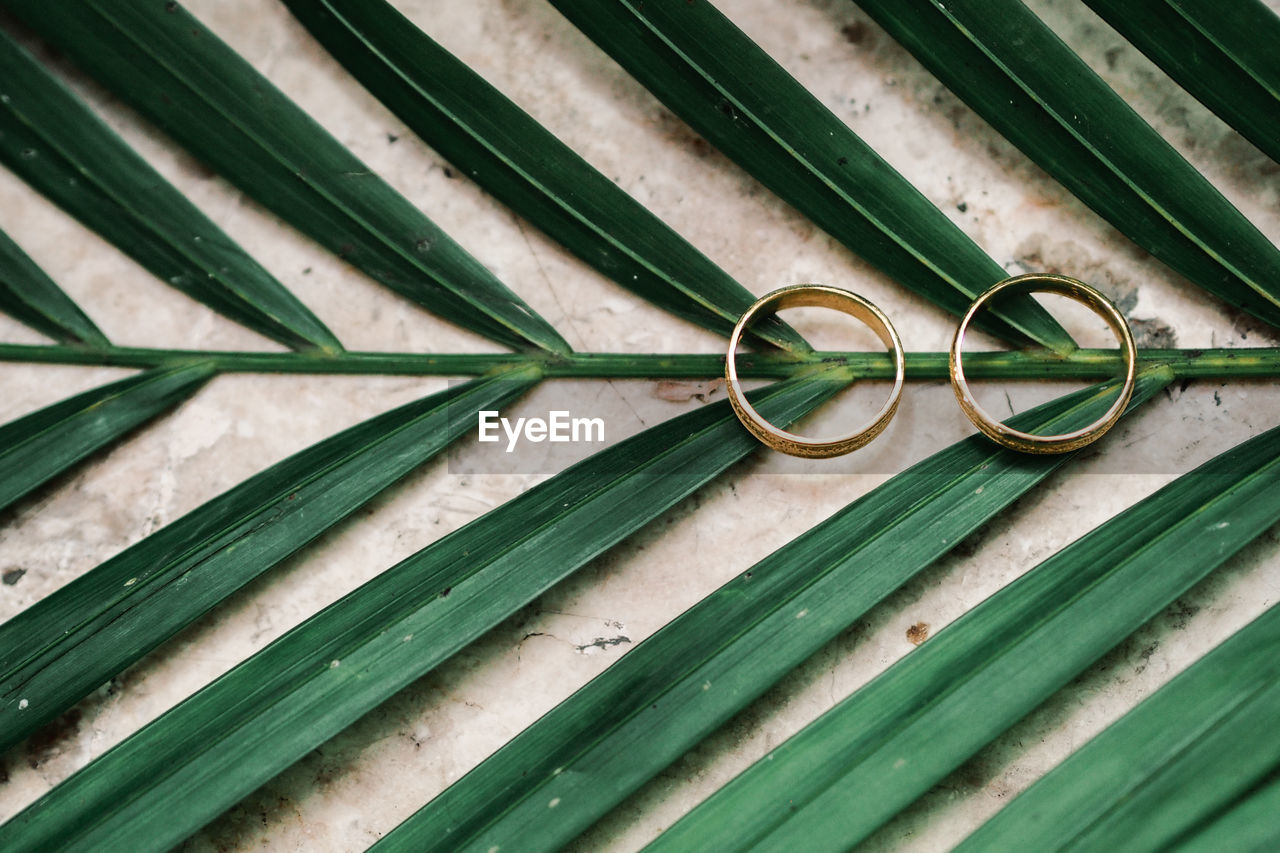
1025, 441
814, 296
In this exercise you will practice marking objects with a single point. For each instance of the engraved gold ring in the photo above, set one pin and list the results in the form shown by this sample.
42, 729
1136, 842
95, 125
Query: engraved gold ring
1025, 441
814, 296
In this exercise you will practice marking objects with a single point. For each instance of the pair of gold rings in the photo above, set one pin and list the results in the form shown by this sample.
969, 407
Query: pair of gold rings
824, 296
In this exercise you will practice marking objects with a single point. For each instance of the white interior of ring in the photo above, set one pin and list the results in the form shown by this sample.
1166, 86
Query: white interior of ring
802, 296
1103, 309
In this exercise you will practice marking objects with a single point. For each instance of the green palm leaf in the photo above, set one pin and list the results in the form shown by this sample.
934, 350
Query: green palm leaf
36, 448
68, 643
51, 139
1202, 740
1015, 73
677, 686
513, 157
181, 76
200, 757
179, 772
1224, 56
890, 741
30, 296
726, 88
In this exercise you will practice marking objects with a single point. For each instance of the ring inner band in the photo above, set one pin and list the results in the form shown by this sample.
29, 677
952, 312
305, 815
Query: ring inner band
814, 296
1025, 441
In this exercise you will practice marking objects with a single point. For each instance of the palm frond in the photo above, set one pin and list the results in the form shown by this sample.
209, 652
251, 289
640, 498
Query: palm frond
1252, 823
1167, 766
53, 141
68, 643
1222, 56
717, 80
242, 729
36, 448
504, 150
1023, 80
886, 744
31, 297
279, 708
676, 687
180, 75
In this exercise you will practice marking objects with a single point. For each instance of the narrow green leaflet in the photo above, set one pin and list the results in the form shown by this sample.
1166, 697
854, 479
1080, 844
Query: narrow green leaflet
53, 141
31, 297
1225, 56
1185, 753
726, 88
168, 66
885, 745
1015, 73
1251, 826
198, 759
524, 166
68, 643
36, 448
673, 689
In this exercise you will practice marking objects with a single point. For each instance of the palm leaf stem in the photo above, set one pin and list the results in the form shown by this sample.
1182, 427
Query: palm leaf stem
1220, 363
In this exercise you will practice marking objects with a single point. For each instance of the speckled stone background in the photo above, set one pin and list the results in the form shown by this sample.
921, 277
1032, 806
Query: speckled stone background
345, 794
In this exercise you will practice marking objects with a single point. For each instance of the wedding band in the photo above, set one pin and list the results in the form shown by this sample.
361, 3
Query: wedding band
814, 296
1025, 441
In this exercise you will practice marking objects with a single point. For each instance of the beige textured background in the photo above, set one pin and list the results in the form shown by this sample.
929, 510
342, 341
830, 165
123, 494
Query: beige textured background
346, 793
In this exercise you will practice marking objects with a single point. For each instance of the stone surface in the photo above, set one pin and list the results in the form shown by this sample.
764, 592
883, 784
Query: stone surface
345, 794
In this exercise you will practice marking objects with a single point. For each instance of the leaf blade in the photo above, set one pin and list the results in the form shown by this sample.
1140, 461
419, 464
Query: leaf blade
524, 166
680, 684
1251, 824
53, 141
28, 295
1211, 53
274, 707
1172, 761
891, 740
1013, 71
168, 66
36, 448
73, 640
726, 88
